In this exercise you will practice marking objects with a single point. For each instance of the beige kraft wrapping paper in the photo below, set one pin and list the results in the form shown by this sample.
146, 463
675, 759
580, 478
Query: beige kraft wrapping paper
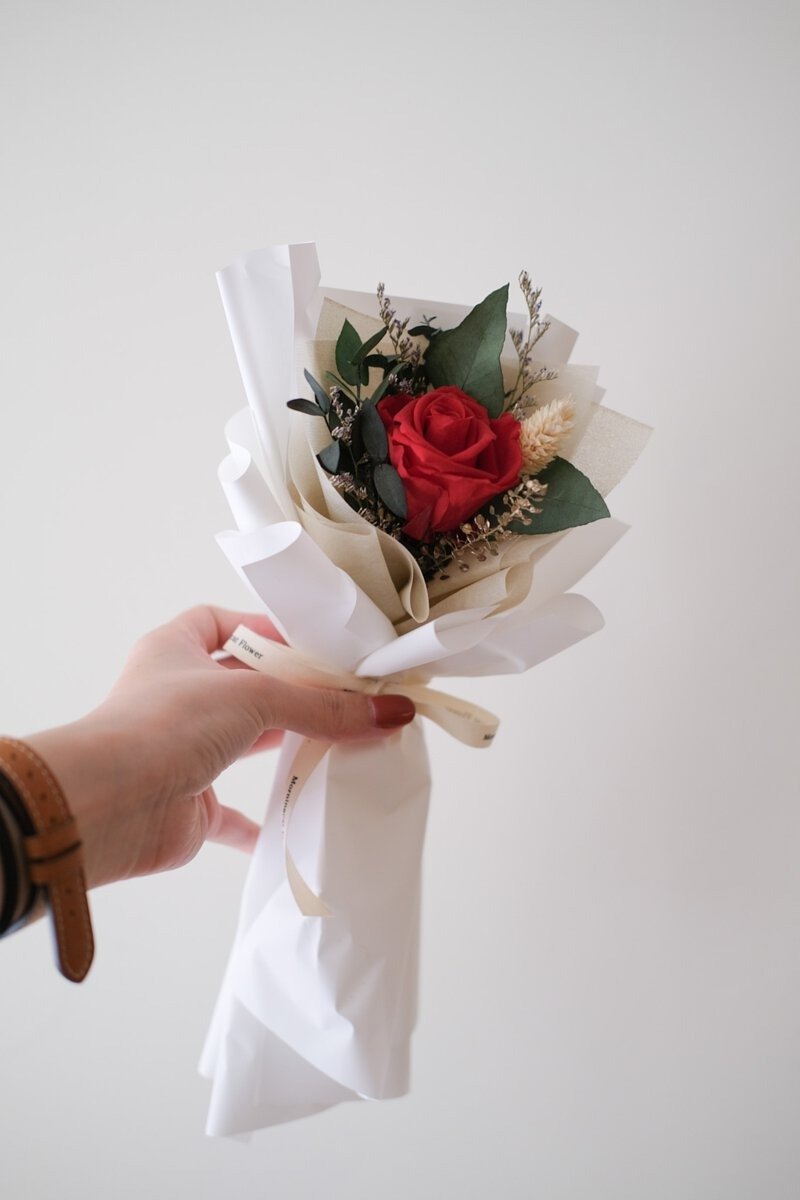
317, 1010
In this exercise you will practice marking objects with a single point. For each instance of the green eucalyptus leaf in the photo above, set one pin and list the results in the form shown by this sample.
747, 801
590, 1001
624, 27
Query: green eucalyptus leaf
389, 487
347, 347
380, 360
330, 457
382, 388
373, 431
468, 357
356, 436
305, 406
368, 345
571, 500
342, 386
323, 399
426, 331
346, 463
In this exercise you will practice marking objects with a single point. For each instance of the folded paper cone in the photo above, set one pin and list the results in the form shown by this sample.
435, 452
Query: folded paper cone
315, 1010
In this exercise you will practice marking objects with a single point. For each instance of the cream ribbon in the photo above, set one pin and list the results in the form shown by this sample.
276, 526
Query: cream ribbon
472, 725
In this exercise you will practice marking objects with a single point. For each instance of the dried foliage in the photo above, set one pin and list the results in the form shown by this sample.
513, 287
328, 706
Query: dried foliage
543, 433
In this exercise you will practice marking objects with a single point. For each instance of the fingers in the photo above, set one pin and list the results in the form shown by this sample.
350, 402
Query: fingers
324, 713
269, 739
210, 627
231, 664
232, 828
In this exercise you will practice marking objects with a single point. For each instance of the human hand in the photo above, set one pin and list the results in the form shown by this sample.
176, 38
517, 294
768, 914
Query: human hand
138, 771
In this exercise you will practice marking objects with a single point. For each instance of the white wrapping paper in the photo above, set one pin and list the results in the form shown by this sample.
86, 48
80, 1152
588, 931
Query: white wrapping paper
312, 1010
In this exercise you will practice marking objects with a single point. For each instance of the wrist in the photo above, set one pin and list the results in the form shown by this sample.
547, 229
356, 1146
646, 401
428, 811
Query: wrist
95, 765
52, 850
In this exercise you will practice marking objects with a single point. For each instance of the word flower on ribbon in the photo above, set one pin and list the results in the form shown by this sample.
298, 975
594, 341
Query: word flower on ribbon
422, 511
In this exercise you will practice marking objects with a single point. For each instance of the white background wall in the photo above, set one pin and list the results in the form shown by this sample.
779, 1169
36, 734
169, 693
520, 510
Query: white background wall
610, 970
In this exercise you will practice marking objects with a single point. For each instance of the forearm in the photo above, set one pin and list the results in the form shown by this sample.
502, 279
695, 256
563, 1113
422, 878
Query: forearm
103, 778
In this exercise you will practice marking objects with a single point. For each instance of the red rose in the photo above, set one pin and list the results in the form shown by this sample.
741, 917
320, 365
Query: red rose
451, 456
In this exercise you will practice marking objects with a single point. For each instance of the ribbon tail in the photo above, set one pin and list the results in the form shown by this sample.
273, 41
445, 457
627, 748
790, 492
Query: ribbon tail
308, 757
309, 903
471, 724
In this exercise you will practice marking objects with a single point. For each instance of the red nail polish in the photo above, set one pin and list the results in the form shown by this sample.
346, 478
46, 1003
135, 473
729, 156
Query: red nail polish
390, 712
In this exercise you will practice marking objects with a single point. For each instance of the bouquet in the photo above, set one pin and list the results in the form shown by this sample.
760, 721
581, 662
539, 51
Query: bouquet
416, 487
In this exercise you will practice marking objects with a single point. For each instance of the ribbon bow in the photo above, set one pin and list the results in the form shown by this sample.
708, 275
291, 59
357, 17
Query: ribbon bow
472, 725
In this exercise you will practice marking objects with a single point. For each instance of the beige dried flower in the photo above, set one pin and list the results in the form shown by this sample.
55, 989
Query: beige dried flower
543, 433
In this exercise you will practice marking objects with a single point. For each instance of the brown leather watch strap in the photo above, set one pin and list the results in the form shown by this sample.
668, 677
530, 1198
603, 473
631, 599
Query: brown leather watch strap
55, 855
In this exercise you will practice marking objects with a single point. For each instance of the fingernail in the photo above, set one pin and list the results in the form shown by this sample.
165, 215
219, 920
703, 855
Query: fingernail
390, 712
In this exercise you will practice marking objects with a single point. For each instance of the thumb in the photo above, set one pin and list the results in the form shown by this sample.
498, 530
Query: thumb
327, 714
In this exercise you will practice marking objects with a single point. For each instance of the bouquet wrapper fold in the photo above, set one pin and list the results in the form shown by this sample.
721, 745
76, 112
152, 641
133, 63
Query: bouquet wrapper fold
314, 1011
